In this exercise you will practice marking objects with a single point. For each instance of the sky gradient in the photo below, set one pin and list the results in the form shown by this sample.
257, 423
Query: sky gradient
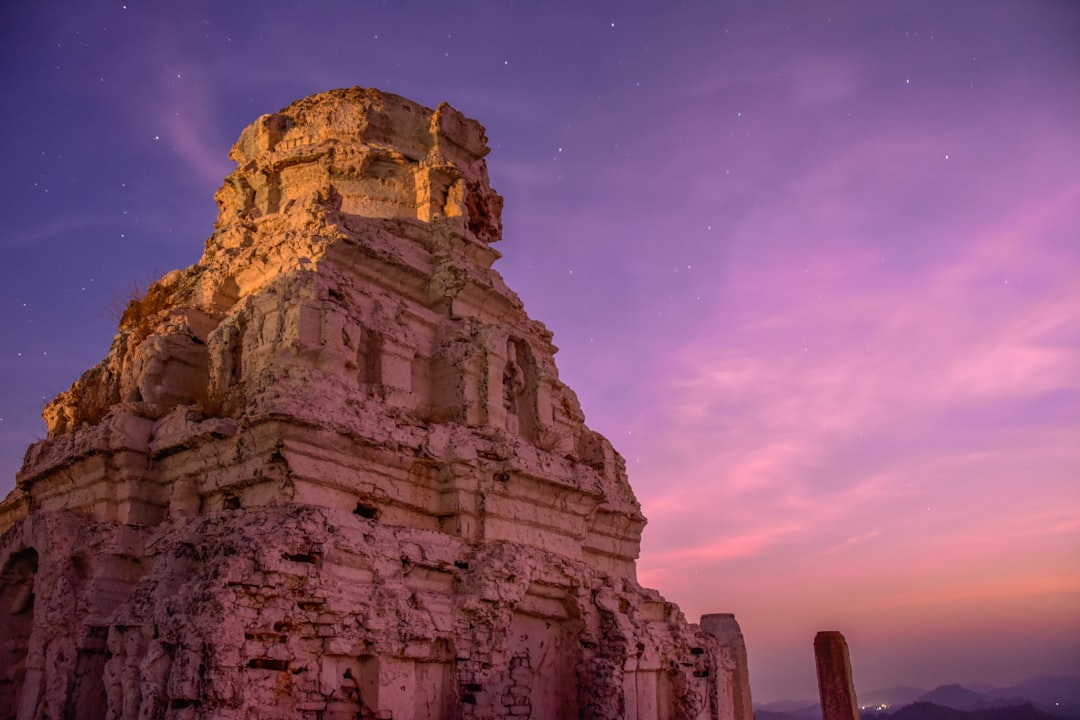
814, 268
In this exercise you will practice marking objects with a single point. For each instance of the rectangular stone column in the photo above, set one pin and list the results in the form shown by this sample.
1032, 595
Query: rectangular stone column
835, 684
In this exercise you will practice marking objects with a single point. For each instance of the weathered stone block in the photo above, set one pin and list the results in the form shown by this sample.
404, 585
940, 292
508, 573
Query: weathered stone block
835, 684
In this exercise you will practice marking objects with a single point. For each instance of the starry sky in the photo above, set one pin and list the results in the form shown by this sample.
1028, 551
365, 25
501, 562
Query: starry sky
814, 268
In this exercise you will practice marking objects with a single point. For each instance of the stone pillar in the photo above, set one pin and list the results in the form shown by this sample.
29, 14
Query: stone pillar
736, 673
835, 685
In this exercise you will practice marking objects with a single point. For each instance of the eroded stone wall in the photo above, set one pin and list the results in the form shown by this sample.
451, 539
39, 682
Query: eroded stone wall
330, 471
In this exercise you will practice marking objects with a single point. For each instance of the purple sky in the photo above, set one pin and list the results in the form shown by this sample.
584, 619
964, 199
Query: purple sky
814, 267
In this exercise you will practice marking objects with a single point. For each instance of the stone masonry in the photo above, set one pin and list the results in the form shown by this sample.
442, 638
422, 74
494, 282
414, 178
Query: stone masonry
835, 684
330, 472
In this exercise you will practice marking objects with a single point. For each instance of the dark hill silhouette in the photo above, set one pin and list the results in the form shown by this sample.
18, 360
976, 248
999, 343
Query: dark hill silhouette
811, 712
1056, 694
1042, 696
891, 697
956, 697
928, 711
931, 711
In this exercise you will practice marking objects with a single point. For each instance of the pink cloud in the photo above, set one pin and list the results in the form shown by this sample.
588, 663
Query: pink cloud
852, 541
729, 547
885, 428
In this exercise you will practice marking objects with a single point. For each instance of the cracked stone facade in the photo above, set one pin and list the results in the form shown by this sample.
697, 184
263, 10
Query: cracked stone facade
330, 472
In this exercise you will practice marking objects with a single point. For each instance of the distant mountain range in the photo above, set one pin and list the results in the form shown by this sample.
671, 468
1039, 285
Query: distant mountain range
930, 711
1044, 697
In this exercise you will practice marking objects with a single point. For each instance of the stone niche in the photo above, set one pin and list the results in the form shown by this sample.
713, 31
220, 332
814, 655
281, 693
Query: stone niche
330, 471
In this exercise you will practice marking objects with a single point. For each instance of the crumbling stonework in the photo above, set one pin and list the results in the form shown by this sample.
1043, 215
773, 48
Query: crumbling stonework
330, 472
733, 668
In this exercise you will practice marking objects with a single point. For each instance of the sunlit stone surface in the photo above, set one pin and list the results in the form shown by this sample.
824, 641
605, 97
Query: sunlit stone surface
330, 472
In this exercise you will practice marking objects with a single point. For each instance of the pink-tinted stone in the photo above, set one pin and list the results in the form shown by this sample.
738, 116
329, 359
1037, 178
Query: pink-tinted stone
331, 471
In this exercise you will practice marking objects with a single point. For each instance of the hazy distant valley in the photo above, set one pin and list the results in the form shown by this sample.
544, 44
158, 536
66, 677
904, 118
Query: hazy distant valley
1039, 698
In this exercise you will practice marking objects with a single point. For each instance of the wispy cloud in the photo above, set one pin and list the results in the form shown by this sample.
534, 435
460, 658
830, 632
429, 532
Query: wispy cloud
48, 230
190, 125
876, 396
851, 541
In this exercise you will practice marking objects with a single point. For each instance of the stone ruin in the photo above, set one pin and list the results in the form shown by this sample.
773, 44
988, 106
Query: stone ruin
330, 472
836, 688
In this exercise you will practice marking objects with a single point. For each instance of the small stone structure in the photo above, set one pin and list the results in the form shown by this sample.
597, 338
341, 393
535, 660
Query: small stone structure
330, 472
835, 685
735, 691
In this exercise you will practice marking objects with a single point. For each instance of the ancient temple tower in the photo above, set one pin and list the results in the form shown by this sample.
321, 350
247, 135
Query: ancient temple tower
330, 472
